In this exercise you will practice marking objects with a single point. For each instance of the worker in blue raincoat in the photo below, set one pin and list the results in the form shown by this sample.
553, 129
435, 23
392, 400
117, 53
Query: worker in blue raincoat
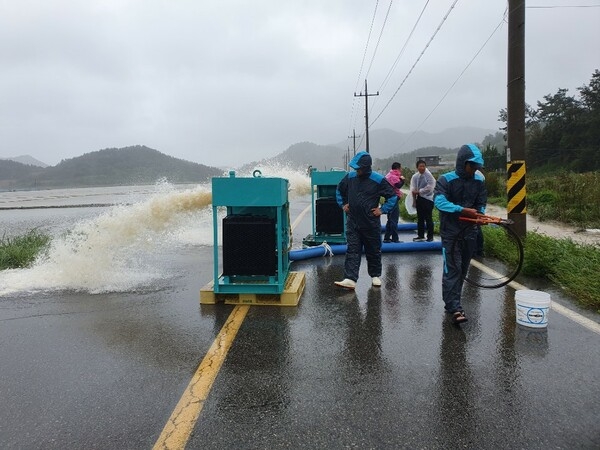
461, 192
358, 194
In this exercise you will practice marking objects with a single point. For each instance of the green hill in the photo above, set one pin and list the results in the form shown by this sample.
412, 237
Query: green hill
108, 167
384, 146
302, 155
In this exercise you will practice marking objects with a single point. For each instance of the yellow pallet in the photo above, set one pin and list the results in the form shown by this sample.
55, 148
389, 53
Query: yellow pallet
294, 286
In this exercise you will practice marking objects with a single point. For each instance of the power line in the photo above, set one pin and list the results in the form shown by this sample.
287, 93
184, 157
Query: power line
417, 61
362, 63
458, 78
362, 137
366, 95
354, 140
379, 39
395, 64
353, 113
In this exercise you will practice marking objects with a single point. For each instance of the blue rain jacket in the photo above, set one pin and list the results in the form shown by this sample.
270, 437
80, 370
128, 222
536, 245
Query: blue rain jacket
362, 193
457, 190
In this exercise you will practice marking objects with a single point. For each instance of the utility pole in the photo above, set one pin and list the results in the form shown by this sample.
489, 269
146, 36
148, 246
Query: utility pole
354, 136
366, 95
515, 155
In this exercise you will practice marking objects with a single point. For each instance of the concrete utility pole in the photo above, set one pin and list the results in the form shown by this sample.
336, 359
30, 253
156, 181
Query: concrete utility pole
354, 136
515, 183
366, 95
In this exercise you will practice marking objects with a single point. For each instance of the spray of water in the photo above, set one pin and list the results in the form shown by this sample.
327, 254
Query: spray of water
298, 178
123, 248
119, 250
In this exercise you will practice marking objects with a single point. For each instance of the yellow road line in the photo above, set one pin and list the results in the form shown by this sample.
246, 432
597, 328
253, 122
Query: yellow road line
563, 310
301, 216
177, 431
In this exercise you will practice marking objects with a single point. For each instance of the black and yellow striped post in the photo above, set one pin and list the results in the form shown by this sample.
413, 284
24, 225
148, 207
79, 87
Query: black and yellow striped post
517, 198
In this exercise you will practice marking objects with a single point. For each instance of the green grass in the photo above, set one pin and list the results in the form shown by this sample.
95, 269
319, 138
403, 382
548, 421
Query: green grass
574, 267
568, 197
21, 251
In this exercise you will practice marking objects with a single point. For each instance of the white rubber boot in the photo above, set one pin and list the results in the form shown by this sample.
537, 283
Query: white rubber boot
346, 283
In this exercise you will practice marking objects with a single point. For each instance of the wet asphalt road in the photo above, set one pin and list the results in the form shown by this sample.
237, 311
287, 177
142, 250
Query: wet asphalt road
376, 368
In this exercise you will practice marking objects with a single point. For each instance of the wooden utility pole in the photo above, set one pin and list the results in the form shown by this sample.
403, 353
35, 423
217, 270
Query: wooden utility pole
366, 95
354, 136
515, 156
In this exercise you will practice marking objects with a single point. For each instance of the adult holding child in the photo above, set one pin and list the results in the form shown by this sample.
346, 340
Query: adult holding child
396, 179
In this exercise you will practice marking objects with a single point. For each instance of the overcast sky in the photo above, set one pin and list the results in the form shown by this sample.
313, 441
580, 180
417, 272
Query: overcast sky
228, 82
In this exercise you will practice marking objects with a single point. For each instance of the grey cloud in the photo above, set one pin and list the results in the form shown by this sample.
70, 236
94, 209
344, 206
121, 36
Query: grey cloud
227, 82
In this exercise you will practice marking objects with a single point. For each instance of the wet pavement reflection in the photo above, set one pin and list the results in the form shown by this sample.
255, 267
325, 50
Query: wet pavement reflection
370, 368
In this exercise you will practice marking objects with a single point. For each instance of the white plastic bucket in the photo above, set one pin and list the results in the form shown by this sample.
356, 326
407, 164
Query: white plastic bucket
532, 308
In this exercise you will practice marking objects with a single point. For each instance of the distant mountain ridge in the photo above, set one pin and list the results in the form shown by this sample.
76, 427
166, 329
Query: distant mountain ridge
304, 154
142, 165
383, 143
27, 160
109, 167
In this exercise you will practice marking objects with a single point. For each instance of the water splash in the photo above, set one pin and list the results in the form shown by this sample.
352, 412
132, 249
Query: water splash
119, 250
299, 179
123, 249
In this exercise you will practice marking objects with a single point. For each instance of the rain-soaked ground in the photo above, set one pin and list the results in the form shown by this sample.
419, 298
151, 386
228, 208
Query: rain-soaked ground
376, 368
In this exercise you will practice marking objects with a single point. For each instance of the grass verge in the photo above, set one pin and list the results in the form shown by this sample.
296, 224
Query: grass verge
574, 267
21, 251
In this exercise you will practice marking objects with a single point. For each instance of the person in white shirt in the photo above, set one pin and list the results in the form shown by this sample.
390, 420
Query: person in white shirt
422, 185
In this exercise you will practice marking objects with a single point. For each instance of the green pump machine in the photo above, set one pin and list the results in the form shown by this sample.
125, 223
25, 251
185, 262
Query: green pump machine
256, 237
328, 219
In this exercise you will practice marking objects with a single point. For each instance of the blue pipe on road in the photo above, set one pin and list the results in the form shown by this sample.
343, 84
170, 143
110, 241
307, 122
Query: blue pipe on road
403, 226
340, 249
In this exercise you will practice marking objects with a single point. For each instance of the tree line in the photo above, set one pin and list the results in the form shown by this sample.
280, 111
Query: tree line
563, 131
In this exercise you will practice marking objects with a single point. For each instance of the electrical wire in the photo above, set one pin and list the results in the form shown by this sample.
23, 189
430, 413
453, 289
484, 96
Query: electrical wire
379, 39
387, 77
395, 64
353, 113
416, 62
362, 137
458, 78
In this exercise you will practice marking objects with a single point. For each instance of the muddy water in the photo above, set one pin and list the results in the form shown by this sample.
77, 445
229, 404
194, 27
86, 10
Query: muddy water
552, 229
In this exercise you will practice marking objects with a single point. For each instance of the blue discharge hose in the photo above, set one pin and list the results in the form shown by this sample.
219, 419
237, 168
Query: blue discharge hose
340, 249
403, 226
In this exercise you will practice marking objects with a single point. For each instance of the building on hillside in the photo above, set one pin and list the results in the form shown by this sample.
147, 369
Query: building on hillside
430, 160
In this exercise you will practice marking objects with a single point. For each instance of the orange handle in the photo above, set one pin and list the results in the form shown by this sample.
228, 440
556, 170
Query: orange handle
483, 219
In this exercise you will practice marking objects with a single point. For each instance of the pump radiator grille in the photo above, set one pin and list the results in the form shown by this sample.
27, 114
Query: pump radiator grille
249, 245
329, 216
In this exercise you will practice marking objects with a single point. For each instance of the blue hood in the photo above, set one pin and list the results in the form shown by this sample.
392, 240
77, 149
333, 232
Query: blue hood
471, 153
362, 160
